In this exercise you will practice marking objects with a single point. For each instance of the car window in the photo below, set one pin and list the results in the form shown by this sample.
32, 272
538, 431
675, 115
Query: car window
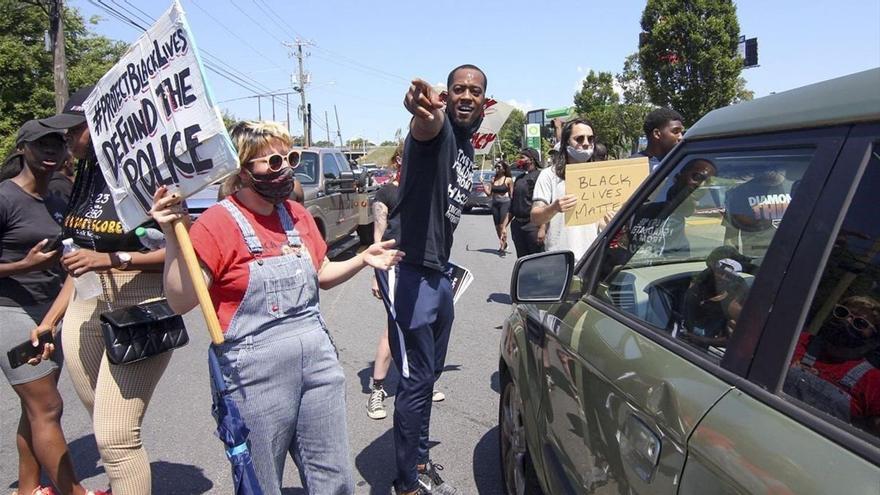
307, 170
685, 261
344, 166
331, 169
834, 368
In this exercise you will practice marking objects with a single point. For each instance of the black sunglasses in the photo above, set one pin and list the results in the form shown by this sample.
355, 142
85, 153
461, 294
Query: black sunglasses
276, 160
580, 139
843, 313
700, 176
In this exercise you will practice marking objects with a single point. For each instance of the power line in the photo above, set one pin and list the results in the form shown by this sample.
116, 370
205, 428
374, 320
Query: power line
257, 23
233, 33
273, 16
216, 64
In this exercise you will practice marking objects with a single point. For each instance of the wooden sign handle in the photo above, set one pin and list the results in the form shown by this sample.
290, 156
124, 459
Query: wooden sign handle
198, 281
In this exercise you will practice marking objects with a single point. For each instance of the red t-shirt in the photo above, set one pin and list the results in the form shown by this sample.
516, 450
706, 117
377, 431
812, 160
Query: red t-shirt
220, 247
866, 393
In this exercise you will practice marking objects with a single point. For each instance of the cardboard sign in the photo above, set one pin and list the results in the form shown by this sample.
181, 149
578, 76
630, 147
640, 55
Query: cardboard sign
153, 121
494, 116
602, 187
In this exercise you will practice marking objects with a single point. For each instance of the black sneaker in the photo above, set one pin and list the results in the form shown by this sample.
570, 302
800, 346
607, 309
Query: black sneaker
430, 480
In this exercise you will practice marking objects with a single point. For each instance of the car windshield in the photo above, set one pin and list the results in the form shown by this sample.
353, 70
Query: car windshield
307, 171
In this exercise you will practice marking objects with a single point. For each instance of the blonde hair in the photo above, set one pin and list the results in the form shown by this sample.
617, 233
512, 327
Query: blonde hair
250, 137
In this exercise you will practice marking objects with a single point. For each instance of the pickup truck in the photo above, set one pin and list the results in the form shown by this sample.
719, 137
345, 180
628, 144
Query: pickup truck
338, 199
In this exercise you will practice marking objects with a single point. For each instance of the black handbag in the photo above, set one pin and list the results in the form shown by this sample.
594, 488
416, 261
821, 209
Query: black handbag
137, 332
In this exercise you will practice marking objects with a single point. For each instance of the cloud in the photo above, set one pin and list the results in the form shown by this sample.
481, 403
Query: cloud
523, 106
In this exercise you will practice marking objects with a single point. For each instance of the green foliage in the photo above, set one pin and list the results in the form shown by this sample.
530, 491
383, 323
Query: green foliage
510, 137
636, 103
229, 120
688, 55
358, 143
388, 143
324, 144
742, 92
598, 102
26, 80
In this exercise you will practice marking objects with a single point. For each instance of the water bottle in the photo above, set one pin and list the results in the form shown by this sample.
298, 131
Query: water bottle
152, 239
88, 285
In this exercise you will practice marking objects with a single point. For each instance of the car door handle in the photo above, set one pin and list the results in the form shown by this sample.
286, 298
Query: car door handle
639, 448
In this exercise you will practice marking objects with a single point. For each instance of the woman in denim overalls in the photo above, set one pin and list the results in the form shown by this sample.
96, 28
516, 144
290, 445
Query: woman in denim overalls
278, 360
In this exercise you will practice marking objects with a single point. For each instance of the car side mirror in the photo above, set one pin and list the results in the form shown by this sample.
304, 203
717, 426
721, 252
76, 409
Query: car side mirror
542, 278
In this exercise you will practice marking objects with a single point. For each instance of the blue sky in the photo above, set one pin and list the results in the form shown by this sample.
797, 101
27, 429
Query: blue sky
534, 53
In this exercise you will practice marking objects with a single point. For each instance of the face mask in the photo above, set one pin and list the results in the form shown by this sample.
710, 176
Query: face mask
274, 187
522, 164
579, 156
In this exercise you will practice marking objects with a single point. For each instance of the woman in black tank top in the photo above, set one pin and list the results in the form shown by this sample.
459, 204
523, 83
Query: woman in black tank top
501, 191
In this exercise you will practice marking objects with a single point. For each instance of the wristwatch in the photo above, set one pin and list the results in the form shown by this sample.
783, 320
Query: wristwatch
124, 260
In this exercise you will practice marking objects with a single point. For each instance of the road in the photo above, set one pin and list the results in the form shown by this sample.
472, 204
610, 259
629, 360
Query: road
178, 430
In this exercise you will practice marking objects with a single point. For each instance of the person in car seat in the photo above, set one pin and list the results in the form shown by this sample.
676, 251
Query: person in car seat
831, 370
714, 299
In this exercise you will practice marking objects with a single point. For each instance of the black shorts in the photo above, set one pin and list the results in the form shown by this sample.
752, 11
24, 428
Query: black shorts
500, 207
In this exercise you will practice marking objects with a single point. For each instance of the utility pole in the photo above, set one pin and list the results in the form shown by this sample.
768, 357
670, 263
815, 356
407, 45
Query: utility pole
297, 51
259, 109
338, 131
55, 9
327, 126
287, 105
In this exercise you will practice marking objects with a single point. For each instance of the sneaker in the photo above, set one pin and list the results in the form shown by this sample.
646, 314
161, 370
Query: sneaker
419, 491
438, 396
375, 406
430, 480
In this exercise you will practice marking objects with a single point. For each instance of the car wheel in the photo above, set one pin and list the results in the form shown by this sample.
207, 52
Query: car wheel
517, 470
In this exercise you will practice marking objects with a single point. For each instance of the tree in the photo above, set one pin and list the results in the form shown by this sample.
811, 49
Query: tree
598, 102
510, 137
324, 144
358, 143
26, 69
742, 92
388, 143
636, 102
687, 52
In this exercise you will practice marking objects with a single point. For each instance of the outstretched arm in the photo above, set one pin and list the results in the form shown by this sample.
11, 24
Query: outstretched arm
427, 108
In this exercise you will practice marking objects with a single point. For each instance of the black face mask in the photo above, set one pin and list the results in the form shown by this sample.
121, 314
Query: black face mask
848, 343
274, 187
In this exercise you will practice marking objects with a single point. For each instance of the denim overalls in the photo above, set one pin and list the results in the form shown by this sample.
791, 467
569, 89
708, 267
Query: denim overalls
282, 371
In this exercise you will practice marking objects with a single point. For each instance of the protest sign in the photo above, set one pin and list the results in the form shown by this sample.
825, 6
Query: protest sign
153, 121
602, 187
494, 116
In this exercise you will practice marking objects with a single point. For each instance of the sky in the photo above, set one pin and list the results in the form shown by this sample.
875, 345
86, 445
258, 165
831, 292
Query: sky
362, 54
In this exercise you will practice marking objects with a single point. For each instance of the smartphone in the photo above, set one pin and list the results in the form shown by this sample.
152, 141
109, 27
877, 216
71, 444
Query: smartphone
22, 353
53, 244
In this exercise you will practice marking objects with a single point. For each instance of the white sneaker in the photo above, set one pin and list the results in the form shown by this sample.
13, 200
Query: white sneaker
375, 405
438, 396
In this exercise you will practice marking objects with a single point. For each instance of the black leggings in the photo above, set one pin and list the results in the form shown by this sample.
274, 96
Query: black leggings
500, 207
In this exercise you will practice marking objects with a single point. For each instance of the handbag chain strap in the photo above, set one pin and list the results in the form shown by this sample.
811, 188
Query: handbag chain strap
103, 282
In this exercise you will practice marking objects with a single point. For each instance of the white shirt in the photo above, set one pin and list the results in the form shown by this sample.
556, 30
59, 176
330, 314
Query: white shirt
577, 239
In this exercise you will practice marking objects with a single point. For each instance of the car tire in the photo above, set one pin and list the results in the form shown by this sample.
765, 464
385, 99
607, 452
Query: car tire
365, 234
517, 471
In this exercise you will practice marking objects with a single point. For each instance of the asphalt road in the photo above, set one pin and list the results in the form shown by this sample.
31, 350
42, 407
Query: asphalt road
186, 458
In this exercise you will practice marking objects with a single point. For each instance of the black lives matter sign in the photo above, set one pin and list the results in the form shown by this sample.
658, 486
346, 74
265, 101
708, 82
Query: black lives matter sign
153, 122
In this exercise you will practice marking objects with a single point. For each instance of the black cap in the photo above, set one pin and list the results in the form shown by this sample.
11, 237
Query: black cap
73, 113
32, 130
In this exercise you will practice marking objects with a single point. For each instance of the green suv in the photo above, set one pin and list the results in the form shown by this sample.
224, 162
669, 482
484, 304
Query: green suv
724, 349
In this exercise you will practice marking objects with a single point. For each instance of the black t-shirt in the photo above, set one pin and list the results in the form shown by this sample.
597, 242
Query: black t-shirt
24, 221
755, 208
657, 230
523, 189
434, 186
60, 188
388, 195
91, 219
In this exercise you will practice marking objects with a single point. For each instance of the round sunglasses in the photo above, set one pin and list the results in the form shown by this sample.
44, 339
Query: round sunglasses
861, 324
276, 160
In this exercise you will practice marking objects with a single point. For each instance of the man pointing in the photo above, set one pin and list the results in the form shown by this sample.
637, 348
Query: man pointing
435, 183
